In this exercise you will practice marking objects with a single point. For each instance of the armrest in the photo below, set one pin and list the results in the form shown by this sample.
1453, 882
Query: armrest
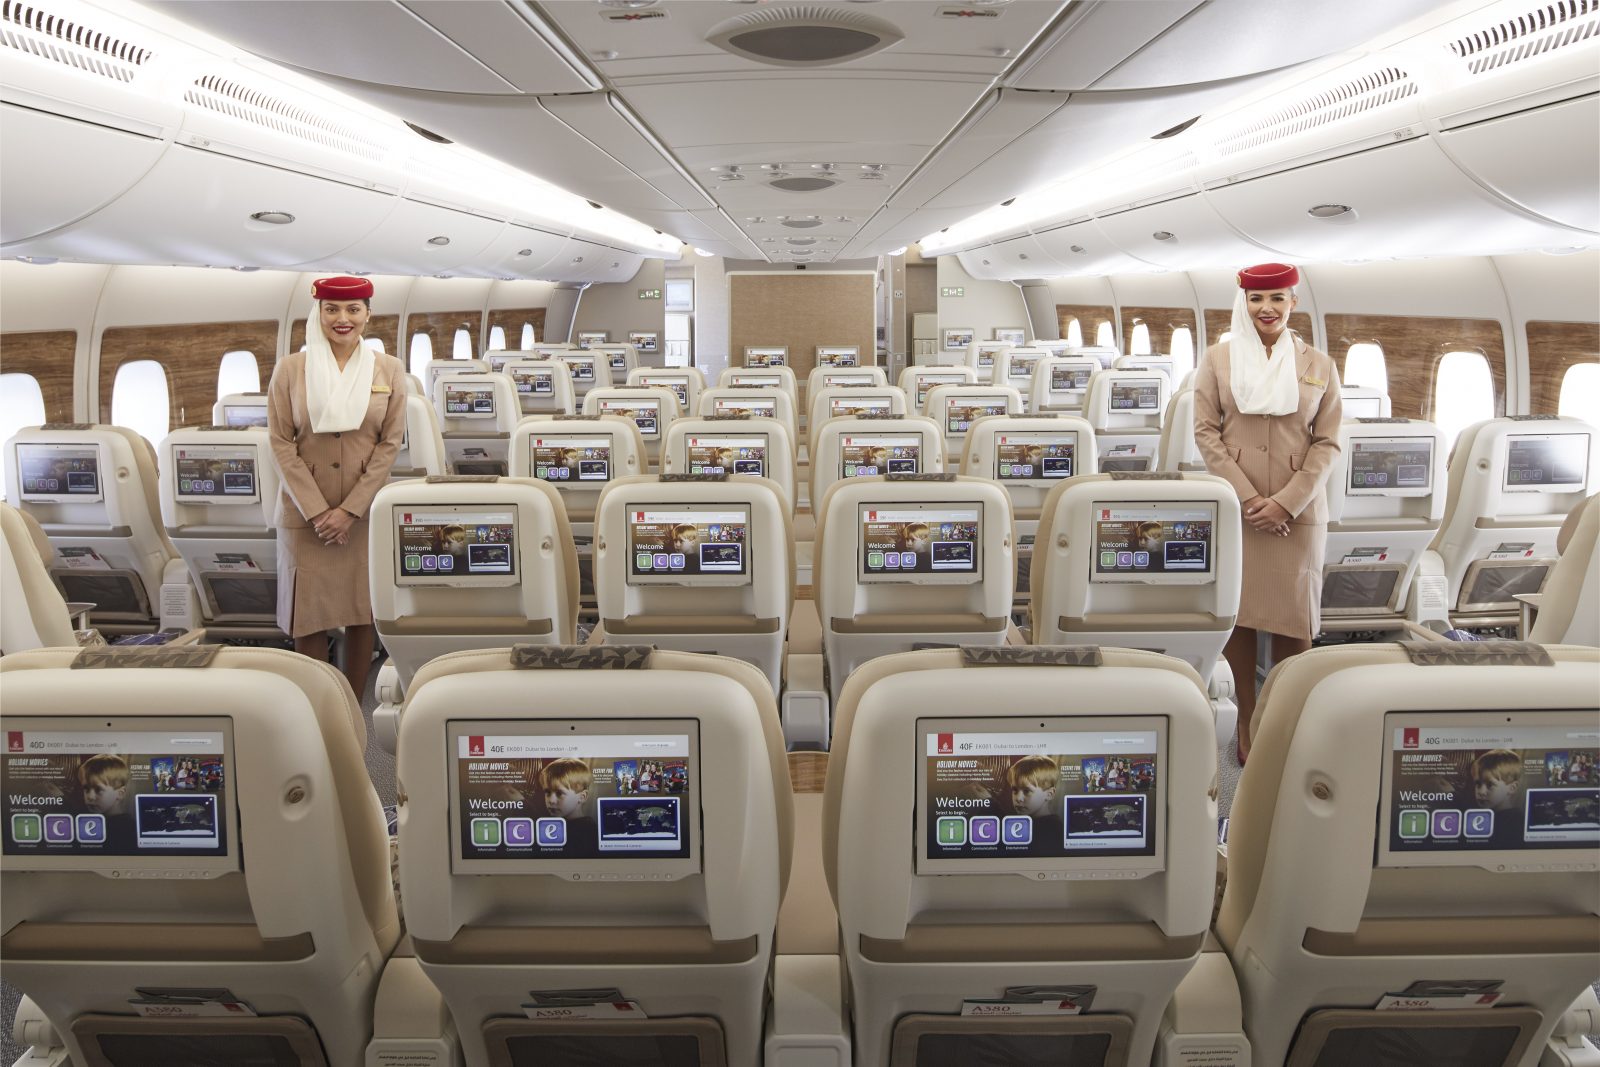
411, 1023
1204, 1021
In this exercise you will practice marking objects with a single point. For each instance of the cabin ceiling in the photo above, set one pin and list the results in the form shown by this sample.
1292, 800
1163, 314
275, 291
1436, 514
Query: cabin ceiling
637, 106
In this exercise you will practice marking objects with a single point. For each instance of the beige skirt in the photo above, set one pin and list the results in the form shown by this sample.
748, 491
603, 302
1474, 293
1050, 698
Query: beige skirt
1282, 588
322, 587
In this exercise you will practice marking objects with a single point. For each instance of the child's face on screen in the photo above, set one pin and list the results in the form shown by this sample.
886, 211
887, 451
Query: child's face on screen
101, 796
559, 800
1491, 792
1029, 799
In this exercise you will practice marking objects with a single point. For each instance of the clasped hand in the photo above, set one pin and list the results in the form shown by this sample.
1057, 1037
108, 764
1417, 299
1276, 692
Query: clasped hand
1267, 515
333, 526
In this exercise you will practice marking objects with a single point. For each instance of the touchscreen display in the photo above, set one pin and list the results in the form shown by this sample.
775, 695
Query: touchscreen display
55, 471
241, 415
727, 453
1022, 366
646, 414
846, 378
844, 406
571, 459
1053, 793
756, 407
898, 541
963, 411
1390, 463
1022, 457
867, 455
677, 383
1362, 407
765, 357
644, 342
469, 401
1136, 395
838, 357
1069, 379
590, 338
680, 543
1455, 787
576, 794
931, 381
532, 381
1545, 461
1135, 540
455, 543
116, 792
755, 381
213, 472
582, 369
618, 359
986, 357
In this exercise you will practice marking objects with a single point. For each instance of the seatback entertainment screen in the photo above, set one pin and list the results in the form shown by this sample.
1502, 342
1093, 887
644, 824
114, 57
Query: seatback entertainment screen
921, 542
590, 338
468, 401
534, 381
451, 545
1028, 795
1148, 541
1547, 463
1490, 789
208, 473
866, 455
1070, 379
581, 458
1136, 396
770, 356
645, 412
851, 404
726, 453
678, 383
1034, 456
582, 366
754, 406
244, 415
742, 379
689, 544
839, 356
59, 472
962, 411
1020, 367
1390, 466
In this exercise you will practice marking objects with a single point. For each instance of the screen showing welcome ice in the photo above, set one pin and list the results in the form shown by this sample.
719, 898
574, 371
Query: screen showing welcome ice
534, 382
920, 540
962, 411
846, 406
646, 414
469, 401
215, 471
727, 453
455, 543
1030, 456
1499, 787
1538, 460
684, 542
865, 455
115, 793
755, 407
572, 459
1391, 463
615, 796
1140, 395
1134, 538
54, 472
1043, 794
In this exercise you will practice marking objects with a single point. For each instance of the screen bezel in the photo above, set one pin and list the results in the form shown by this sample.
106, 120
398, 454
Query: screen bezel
1036, 867
827, 355
666, 379
736, 373
216, 450
1072, 390
1498, 860
1126, 383
585, 338
746, 577
229, 419
881, 403
543, 372
664, 868
1391, 444
477, 388
455, 580
911, 437
769, 355
64, 446
581, 357
201, 866
1351, 416
570, 441
635, 403
1205, 577
735, 405
924, 384
953, 400
972, 577
1547, 487
766, 445
1029, 435
644, 341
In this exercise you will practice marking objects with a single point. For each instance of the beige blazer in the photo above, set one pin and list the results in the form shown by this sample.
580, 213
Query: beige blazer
1285, 457
318, 471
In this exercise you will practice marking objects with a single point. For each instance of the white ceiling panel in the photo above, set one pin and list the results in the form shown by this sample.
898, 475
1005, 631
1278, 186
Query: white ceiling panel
598, 118
1005, 116
1198, 235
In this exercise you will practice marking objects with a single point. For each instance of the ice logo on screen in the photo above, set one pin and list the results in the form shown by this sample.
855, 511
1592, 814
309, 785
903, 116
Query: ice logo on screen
13, 740
947, 744
475, 745
1410, 739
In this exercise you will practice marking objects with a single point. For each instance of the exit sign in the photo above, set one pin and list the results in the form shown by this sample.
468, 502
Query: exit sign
953, 290
649, 294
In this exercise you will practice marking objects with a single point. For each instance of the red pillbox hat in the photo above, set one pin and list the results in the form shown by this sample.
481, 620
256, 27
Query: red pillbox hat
343, 287
1269, 276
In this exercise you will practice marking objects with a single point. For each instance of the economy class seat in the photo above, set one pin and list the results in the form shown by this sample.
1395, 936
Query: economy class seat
975, 846
437, 367
775, 376
604, 750
477, 412
621, 357
826, 374
982, 356
836, 401
956, 407
687, 382
1476, 881
32, 613
544, 386
1364, 402
1177, 450
1126, 407
760, 401
1568, 612
247, 855
1015, 367
422, 447
93, 488
240, 409
653, 408
1059, 383
916, 381
738, 445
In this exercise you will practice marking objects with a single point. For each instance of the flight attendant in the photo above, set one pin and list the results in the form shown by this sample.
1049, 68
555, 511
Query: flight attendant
1266, 418
336, 415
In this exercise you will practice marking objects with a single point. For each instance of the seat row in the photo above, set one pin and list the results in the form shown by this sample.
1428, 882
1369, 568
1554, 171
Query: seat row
604, 857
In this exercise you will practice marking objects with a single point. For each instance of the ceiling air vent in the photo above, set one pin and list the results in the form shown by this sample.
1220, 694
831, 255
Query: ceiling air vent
803, 35
26, 28
964, 12
801, 240
632, 16
803, 185
228, 97
1533, 33
802, 224
1366, 93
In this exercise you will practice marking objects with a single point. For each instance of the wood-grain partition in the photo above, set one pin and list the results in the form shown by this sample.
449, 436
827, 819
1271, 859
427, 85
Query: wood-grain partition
385, 328
1554, 348
1161, 323
1089, 317
1219, 322
511, 319
441, 327
190, 356
801, 311
1412, 348
48, 356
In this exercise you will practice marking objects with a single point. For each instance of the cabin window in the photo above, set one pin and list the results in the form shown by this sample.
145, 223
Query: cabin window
1580, 393
239, 373
141, 399
528, 340
497, 338
1139, 345
1463, 393
21, 404
374, 343
1364, 365
1182, 350
48, 358
1555, 350
1077, 322
1074, 333
421, 353
1105, 336
461, 347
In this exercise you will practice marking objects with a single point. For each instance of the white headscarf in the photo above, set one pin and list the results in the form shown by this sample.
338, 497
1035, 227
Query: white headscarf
1261, 386
336, 399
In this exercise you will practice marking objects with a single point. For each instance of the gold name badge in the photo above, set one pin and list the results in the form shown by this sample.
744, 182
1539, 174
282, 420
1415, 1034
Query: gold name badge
380, 389
1315, 383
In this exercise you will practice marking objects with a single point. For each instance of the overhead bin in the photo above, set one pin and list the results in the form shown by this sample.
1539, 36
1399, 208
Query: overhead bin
1185, 233
1085, 247
599, 118
543, 250
957, 176
405, 241
1567, 140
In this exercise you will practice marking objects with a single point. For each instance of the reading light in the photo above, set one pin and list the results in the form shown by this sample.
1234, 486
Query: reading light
439, 241
597, 207
577, 259
1328, 211
702, 252
524, 252
1164, 235
1008, 203
427, 134
1079, 249
275, 218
